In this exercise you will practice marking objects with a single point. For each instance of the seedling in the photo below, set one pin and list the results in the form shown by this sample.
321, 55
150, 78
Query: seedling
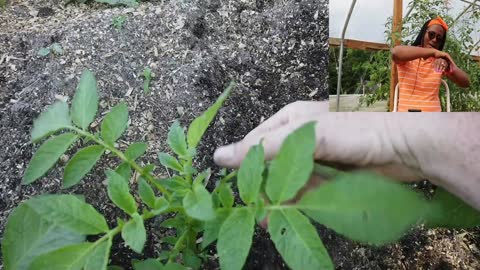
147, 77
118, 21
50, 231
54, 48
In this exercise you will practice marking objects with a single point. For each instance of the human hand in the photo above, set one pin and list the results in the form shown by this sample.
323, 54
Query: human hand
441, 65
406, 147
443, 55
349, 139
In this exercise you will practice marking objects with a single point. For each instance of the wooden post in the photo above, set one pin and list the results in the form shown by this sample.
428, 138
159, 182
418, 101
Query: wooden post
396, 40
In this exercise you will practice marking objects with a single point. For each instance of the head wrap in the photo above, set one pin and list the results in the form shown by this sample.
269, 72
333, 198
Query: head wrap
439, 21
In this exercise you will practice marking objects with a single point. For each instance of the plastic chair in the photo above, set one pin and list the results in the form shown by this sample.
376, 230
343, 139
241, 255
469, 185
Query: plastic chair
395, 99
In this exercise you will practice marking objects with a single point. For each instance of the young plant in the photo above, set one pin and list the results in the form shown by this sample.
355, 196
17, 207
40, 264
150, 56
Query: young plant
119, 21
54, 48
50, 231
147, 77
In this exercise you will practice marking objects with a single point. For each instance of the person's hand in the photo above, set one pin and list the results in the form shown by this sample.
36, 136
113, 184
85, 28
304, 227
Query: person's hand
406, 147
443, 55
341, 138
441, 65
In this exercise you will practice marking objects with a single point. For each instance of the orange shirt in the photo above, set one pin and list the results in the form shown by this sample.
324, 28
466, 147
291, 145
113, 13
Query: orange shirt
419, 86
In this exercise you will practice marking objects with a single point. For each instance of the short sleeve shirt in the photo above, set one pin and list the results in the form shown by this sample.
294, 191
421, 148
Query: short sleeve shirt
419, 86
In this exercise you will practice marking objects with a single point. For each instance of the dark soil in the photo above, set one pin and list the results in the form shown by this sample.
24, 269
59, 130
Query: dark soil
275, 49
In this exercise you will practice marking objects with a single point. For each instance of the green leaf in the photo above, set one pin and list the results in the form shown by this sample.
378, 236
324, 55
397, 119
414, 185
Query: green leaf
80, 164
149, 264
54, 118
47, 155
203, 177
161, 204
119, 192
297, 240
446, 210
250, 174
225, 195
57, 48
27, 235
70, 212
136, 150
146, 193
176, 139
177, 222
350, 206
85, 101
44, 52
163, 255
115, 123
174, 183
198, 203
170, 240
292, 166
188, 169
235, 238
174, 266
98, 259
260, 210
147, 75
67, 258
212, 227
133, 232
191, 260
124, 170
114, 267
170, 162
200, 124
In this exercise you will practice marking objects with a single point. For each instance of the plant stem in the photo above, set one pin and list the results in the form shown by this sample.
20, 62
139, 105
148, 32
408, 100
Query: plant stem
178, 244
119, 153
228, 177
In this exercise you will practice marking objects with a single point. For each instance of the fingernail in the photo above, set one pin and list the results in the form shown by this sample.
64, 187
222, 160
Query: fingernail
223, 155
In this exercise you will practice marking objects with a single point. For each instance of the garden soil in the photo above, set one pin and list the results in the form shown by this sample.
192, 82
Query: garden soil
276, 50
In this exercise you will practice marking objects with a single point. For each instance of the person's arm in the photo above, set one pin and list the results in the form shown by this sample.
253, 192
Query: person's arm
444, 148
458, 76
402, 53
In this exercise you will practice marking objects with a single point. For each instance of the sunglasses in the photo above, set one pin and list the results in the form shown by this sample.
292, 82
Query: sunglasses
432, 35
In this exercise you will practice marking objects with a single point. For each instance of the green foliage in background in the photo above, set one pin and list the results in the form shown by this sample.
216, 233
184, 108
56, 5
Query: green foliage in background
374, 73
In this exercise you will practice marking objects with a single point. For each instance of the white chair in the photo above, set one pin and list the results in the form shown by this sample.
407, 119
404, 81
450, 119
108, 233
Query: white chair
447, 90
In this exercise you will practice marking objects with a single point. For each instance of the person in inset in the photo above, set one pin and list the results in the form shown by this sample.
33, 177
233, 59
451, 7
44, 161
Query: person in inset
421, 67
444, 148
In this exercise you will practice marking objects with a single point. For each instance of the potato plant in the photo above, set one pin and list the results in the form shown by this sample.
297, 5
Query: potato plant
63, 231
